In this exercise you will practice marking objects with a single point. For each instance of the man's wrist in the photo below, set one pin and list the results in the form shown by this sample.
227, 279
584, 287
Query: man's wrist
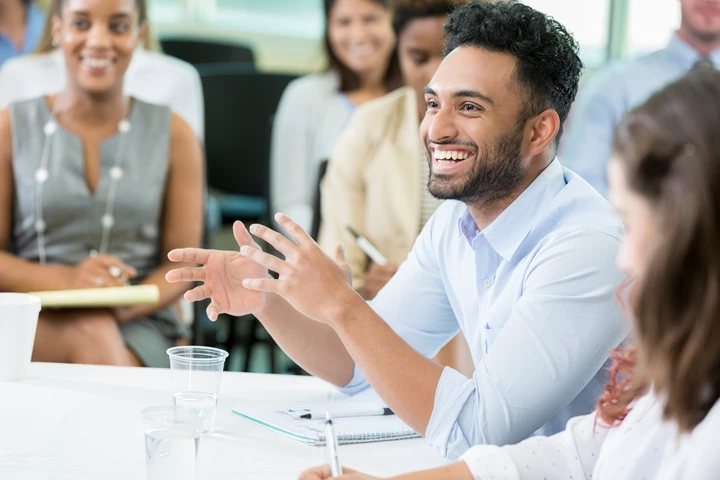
343, 307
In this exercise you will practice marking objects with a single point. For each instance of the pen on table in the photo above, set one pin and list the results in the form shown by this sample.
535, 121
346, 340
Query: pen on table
367, 247
331, 441
363, 412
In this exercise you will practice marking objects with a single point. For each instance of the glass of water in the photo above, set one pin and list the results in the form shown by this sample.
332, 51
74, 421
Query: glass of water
172, 435
196, 374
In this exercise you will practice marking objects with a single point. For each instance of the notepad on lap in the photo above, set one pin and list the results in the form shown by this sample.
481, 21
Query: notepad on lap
100, 297
348, 429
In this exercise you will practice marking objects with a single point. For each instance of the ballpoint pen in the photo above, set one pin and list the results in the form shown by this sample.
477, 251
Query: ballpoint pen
367, 247
348, 412
331, 442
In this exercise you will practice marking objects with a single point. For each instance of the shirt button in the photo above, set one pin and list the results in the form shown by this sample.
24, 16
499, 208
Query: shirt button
487, 283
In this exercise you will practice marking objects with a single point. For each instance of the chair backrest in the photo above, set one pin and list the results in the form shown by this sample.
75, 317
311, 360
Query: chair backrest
199, 52
239, 105
317, 201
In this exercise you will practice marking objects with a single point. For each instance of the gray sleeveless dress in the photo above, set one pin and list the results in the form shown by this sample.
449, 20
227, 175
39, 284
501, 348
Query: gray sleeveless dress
72, 213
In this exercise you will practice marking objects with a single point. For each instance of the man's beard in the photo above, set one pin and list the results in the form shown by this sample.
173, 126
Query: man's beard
495, 175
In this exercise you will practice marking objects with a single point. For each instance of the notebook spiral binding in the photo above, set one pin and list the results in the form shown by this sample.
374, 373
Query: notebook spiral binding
372, 437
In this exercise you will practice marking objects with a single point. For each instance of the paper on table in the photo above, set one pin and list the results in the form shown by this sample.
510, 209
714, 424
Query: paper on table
100, 297
348, 429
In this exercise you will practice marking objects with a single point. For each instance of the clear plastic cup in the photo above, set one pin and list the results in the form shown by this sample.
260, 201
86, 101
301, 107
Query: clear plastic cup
196, 374
172, 436
18, 322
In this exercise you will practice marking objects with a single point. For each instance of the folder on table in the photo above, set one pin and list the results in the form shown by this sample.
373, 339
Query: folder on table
280, 419
100, 297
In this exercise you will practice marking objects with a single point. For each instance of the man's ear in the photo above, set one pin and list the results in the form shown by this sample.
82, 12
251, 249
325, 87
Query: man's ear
540, 131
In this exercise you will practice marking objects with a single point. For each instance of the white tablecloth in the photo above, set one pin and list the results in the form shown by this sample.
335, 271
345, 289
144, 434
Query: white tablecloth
83, 422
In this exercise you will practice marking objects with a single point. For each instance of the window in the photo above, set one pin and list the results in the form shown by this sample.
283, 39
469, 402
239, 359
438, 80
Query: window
587, 21
293, 18
650, 24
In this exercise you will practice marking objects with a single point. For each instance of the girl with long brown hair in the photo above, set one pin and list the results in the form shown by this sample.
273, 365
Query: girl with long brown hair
660, 412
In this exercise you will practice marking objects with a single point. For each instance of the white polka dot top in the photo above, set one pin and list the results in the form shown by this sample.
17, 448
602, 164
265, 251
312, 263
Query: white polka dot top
585, 450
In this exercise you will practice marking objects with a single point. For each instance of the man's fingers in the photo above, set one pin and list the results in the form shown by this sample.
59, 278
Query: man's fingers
268, 261
212, 311
339, 254
198, 293
296, 232
262, 284
277, 240
186, 274
242, 237
189, 255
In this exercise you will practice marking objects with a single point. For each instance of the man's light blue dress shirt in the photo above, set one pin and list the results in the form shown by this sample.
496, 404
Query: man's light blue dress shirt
33, 31
587, 143
534, 295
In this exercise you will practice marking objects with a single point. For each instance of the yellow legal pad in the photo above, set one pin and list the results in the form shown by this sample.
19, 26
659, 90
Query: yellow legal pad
100, 297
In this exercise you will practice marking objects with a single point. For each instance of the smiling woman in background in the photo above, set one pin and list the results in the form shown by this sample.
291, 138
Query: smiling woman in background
95, 188
313, 111
378, 173
21, 24
663, 177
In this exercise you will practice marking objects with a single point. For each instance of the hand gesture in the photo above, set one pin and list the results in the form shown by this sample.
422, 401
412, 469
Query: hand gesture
323, 473
222, 274
312, 282
99, 271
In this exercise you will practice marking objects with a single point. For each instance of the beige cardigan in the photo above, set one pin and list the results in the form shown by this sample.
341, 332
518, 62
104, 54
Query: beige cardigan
373, 182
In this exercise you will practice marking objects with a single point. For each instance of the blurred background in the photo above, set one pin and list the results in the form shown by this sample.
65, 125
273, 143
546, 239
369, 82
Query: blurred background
235, 43
285, 35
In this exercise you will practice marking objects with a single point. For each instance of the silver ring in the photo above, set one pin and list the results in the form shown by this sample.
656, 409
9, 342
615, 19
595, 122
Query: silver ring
99, 281
115, 271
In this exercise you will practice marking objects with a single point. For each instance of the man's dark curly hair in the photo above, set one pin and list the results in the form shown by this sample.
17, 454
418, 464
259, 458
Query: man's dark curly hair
548, 67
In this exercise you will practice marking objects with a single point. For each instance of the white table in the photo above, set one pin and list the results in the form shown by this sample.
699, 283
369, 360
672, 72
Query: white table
83, 422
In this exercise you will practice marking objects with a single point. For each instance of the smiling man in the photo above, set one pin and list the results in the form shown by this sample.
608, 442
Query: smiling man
521, 259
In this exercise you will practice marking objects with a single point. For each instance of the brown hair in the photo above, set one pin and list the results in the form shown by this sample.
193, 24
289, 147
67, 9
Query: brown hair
45, 45
670, 150
349, 80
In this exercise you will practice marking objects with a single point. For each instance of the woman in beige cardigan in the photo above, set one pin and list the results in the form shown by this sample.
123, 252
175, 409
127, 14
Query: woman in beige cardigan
376, 182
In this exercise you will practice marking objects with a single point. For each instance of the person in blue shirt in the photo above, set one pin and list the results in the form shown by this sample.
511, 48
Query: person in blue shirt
623, 86
21, 26
520, 257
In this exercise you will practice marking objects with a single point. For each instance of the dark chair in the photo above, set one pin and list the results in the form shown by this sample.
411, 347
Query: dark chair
239, 105
317, 202
202, 51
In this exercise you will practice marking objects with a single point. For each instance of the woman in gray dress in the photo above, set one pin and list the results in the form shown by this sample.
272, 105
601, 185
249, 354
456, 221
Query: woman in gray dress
95, 189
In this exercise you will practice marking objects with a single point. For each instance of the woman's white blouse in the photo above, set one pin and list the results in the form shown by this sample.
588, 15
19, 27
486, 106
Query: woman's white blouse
310, 118
585, 450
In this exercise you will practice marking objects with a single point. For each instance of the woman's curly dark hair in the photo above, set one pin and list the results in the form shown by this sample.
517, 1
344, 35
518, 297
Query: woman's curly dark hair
548, 67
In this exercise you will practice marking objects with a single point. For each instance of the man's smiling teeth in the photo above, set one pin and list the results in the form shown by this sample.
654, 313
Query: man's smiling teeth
450, 155
97, 62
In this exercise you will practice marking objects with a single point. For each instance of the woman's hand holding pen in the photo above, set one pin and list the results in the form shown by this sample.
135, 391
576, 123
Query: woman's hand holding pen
323, 473
312, 282
376, 278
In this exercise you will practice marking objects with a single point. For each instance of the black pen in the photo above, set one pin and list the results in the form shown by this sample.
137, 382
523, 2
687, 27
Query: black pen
358, 412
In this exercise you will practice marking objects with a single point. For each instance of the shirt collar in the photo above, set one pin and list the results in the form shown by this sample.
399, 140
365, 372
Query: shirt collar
509, 229
687, 55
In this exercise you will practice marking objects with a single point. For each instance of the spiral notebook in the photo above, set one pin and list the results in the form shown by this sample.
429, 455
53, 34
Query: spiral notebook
280, 419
